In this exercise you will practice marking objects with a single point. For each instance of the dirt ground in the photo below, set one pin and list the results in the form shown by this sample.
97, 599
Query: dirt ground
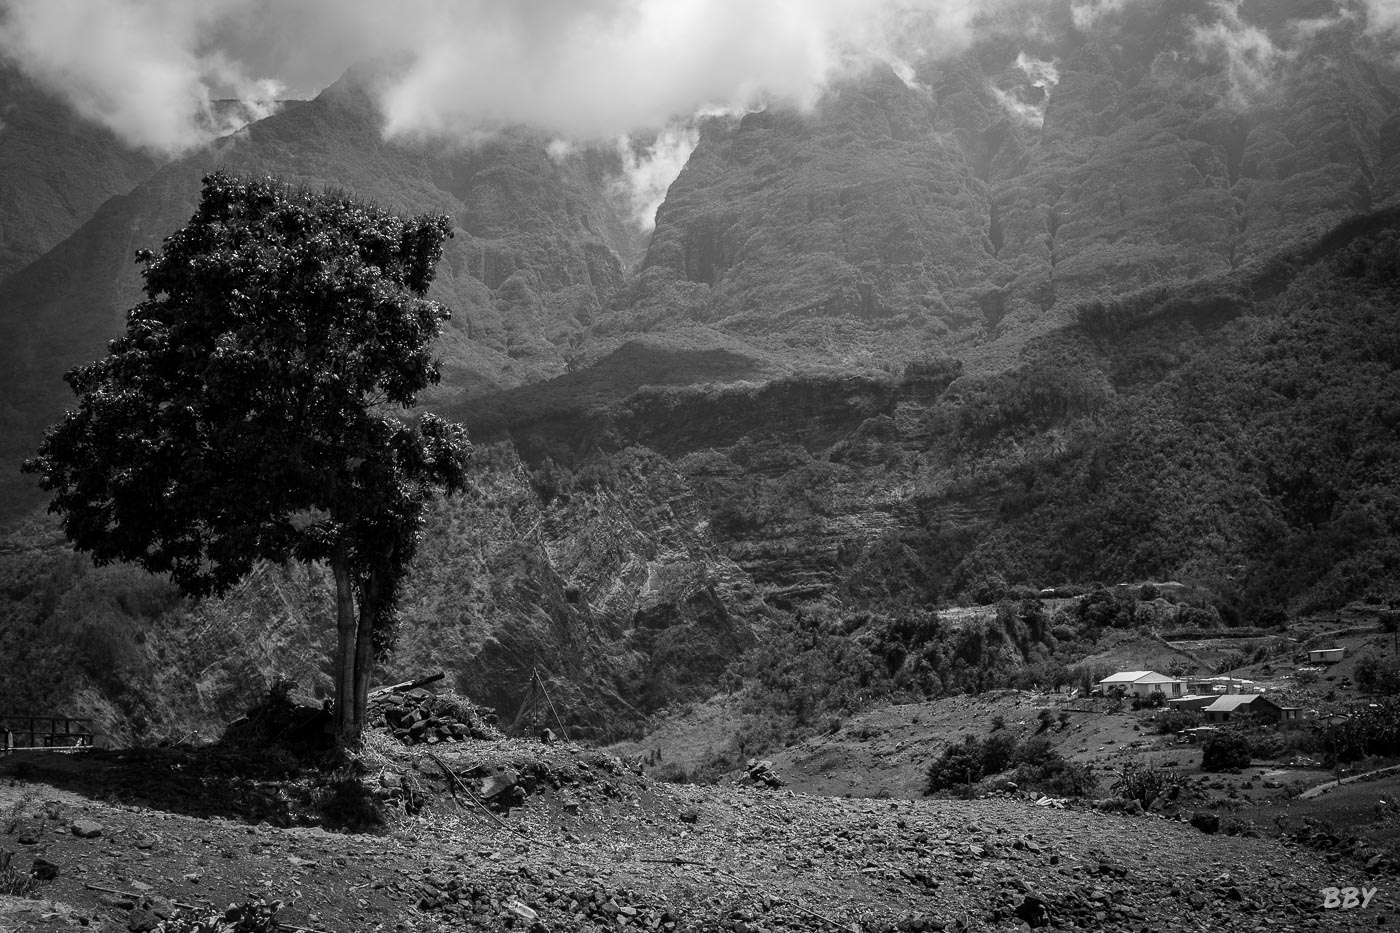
616, 850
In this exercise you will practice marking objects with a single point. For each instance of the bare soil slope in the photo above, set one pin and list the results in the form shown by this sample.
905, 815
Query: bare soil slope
621, 852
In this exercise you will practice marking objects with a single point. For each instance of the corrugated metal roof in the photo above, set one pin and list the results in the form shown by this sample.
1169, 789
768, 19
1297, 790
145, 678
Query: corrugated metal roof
1137, 677
1233, 701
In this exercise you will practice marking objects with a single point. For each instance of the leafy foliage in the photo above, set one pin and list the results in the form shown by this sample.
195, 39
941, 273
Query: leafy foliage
1037, 763
237, 420
1149, 786
1226, 750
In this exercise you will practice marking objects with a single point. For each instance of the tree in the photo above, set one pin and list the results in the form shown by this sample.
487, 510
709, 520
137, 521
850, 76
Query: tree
1224, 751
242, 417
1390, 622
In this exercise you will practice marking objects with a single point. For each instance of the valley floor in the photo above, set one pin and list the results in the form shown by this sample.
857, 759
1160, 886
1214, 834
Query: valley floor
616, 850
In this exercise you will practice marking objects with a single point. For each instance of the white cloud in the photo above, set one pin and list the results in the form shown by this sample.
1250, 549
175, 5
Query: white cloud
577, 69
1382, 15
647, 174
138, 67
559, 149
1030, 109
1044, 74
1251, 59
1086, 13
905, 72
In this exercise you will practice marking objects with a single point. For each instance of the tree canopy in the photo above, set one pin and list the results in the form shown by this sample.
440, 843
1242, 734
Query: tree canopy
244, 414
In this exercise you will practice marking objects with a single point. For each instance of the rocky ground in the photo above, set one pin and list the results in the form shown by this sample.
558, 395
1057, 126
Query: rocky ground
573, 839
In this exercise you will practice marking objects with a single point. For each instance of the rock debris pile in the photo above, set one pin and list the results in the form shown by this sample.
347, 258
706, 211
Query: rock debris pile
421, 717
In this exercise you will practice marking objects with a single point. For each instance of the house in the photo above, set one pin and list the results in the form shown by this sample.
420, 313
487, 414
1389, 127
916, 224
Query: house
1326, 655
1236, 705
1293, 713
1143, 684
1192, 701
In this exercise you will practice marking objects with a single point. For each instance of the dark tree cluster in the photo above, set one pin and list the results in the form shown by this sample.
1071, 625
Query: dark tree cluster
244, 416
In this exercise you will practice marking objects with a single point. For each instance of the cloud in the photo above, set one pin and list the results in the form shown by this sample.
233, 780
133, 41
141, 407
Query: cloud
1382, 15
577, 69
138, 67
1086, 13
1041, 73
1251, 58
649, 169
1027, 102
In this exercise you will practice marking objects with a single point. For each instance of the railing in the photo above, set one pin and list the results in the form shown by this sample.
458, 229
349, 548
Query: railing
36, 732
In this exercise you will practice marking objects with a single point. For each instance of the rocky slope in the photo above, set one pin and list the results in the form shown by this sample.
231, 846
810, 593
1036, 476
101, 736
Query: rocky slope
595, 847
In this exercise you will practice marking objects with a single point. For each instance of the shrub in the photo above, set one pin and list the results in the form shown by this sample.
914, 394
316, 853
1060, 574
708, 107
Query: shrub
1172, 721
998, 722
1224, 751
998, 752
13, 882
1374, 675
1149, 786
959, 764
671, 773
1046, 770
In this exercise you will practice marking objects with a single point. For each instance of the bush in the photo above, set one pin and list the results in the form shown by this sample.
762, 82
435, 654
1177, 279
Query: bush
1149, 786
13, 882
671, 773
1224, 751
1046, 770
1172, 721
959, 764
998, 752
1374, 675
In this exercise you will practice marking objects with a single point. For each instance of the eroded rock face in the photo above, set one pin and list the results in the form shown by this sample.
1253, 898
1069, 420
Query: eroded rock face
981, 202
609, 582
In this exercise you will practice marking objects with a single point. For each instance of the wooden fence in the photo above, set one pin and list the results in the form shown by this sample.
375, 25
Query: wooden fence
30, 732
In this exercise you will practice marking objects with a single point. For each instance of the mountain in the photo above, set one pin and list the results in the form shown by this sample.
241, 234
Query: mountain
1110, 302
56, 169
972, 206
539, 245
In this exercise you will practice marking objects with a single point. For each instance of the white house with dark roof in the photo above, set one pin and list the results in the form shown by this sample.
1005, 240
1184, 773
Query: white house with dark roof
1143, 684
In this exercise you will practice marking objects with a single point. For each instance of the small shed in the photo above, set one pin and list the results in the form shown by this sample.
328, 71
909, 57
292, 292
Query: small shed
1292, 713
1144, 684
1236, 705
1326, 655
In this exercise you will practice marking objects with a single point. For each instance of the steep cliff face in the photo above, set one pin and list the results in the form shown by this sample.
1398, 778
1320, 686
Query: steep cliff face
973, 206
606, 580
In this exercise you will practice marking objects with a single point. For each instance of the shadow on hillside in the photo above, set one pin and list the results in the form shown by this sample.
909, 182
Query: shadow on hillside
237, 783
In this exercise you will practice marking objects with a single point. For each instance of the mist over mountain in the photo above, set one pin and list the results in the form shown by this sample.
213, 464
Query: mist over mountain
1053, 293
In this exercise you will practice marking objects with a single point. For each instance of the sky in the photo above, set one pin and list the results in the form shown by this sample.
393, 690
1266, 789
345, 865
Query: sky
580, 71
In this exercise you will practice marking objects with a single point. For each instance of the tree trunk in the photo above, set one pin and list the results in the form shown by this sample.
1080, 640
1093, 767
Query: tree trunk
347, 723
364, 648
